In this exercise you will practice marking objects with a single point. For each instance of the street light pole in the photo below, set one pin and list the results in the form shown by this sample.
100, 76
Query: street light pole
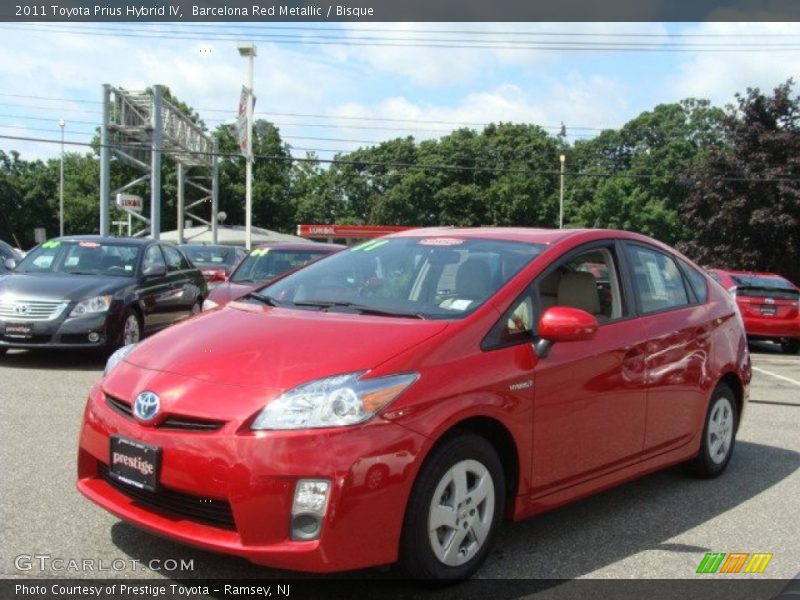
249, 51
563, 159
61, 124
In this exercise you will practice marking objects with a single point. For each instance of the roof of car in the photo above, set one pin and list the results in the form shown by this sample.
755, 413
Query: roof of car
516, 234
104, 239
205, 245
304, 246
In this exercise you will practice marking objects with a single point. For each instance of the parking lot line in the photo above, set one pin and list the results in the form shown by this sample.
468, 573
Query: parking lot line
783, 377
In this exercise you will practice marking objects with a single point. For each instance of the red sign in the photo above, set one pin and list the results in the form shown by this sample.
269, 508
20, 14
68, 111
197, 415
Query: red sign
347, 231
130, 202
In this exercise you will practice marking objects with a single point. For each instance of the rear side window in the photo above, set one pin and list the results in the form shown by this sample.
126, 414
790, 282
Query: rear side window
697, 281
175, 261
657, 281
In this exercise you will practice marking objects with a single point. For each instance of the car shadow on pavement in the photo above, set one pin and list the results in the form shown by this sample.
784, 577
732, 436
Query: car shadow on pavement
71, 360
565, 543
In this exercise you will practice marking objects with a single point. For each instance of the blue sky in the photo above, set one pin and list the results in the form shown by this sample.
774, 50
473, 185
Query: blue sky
352, 94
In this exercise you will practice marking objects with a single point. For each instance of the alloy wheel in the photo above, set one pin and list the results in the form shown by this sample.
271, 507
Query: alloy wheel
461, 512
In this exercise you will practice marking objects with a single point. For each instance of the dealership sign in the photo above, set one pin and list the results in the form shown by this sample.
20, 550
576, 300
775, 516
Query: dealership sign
130, 202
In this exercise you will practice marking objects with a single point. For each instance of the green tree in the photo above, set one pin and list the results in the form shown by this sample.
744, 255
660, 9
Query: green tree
743, 210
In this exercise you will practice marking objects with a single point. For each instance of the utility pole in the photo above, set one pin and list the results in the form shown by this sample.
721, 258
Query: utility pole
563, 159
248, 51
61, 124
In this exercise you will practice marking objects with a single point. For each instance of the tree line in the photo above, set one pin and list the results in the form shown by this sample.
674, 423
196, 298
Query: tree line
721, 183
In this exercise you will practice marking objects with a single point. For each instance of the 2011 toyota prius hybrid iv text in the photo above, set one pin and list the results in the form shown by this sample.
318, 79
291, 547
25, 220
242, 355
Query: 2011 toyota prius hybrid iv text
394, 401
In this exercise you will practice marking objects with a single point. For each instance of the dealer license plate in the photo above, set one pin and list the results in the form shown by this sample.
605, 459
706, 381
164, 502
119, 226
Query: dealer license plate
23, 331
134, 463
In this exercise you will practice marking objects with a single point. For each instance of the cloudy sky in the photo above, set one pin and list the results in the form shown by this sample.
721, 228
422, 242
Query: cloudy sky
335, 87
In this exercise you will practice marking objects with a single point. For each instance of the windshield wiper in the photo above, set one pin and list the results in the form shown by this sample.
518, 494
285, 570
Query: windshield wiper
366, 310
81, 272
263, 299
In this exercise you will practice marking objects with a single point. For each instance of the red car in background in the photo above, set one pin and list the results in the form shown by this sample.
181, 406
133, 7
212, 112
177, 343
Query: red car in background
395, 401
265, 263
215, 261
770, 306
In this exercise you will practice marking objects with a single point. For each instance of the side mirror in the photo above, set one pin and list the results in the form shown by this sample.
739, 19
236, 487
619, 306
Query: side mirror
10, 264
563, 324
154, 271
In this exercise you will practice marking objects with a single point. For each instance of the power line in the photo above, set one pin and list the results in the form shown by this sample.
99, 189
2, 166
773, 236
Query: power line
422, 43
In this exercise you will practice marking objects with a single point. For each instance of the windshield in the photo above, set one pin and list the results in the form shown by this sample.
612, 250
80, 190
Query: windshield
210, 256
81, 258
439, 277
264, 264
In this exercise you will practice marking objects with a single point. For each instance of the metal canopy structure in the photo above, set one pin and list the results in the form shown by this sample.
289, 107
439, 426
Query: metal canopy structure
138, 128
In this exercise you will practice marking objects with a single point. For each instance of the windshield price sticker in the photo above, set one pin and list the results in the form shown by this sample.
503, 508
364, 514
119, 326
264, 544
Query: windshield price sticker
440, 242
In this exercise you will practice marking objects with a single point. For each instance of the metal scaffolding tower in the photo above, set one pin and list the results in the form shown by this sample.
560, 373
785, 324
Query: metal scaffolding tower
138, 128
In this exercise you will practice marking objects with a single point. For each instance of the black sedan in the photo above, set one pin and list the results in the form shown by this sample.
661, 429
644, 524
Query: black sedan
92, 291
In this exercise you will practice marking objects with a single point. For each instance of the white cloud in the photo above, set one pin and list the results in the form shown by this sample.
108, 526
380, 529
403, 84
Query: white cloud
577, 101
719, 75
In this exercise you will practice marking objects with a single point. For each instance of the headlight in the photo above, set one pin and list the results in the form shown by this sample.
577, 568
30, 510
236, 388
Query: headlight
332, 402
117, 357
209, 304
97, 304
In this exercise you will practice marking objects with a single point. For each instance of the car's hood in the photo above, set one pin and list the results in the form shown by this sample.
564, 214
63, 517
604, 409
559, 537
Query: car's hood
278, 348
225, 292
59, 287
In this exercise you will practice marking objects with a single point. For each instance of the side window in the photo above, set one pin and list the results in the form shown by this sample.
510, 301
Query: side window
697, 281
588, 281
153, 258
657, 281
174, 259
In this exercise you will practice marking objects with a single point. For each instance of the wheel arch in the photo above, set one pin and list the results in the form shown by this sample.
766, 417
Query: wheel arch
732, 380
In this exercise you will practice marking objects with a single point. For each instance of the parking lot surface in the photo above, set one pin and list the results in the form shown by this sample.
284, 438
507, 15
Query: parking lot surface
660, 526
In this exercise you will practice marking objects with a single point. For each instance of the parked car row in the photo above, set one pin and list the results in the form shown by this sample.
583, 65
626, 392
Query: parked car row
107, 292
394, 401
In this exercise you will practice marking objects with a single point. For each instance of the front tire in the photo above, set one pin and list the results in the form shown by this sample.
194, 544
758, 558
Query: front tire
454, 510
131, 329
719, 435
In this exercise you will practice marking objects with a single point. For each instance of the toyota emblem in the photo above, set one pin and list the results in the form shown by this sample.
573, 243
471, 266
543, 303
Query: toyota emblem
21, 309
146, 406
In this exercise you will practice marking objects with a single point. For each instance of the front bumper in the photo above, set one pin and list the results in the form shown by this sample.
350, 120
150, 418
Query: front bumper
371, 469
63, 332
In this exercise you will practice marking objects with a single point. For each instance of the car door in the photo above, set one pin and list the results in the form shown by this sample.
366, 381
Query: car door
678, 327
589, 406
183, 291
153, 290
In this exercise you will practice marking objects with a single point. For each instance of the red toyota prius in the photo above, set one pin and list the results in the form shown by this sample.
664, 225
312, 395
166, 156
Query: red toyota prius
393, 402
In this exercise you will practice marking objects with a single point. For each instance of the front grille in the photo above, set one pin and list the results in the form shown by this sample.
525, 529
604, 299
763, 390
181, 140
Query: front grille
31, 310
180, 422
120, 406
208, 511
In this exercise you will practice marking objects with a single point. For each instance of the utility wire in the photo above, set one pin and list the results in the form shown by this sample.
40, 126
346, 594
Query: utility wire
382, 42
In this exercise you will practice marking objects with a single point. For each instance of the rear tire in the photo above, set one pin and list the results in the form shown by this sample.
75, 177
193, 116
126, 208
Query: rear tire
453, 511
719, 435
790, 346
